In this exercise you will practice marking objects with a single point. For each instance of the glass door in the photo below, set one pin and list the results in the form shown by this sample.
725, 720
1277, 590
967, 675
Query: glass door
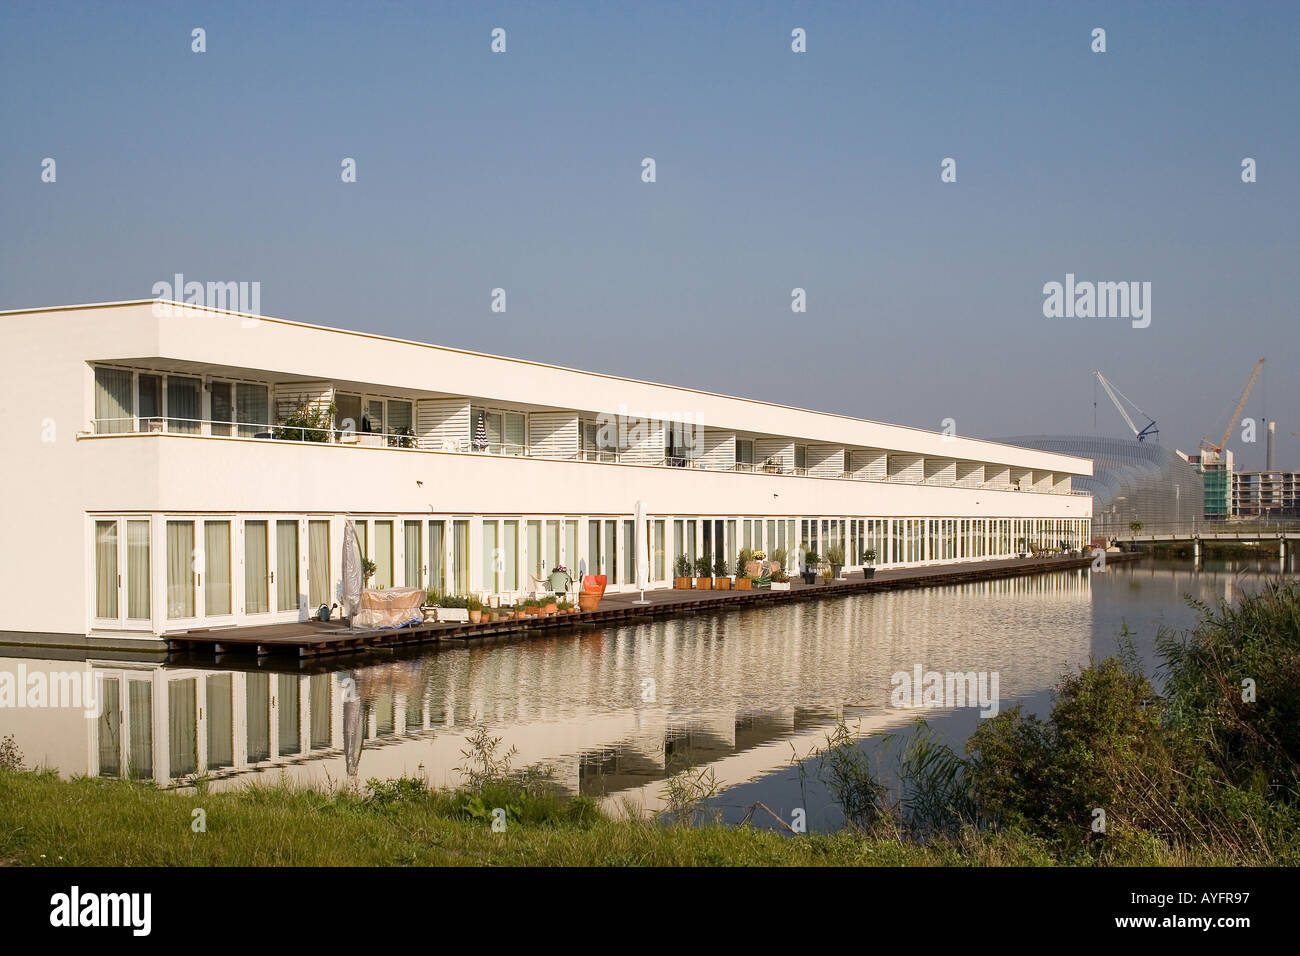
121, 586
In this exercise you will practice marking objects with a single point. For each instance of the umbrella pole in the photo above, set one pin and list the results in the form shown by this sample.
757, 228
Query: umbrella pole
643, 600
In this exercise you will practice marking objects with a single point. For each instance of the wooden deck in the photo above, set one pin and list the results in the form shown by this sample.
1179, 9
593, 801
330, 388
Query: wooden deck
315, 638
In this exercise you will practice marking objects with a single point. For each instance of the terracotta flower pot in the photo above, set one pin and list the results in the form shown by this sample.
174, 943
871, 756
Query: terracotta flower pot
520, 614
549, 608
475, 617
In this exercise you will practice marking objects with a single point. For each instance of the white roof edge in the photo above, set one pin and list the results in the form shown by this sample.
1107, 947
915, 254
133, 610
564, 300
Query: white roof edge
506, 358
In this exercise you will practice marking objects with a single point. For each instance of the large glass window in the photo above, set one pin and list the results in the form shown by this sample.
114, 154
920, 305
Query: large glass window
286, 565
318, 563
400, 431
320, 701
533, 542
252, 409
182, 727
257, 694
110, 728
510, 556
180, 562
221, 395
139, 700
659, 562
113, 407
413, 542
629, 551
491, 555
183, 407
287, 703
383, 556
137, 570
216, 565
460, 555
436, 579
150, 407
221, 721
257, 573
571, 545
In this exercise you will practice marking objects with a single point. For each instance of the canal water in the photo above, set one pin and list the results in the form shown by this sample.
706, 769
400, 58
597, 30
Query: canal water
735, 696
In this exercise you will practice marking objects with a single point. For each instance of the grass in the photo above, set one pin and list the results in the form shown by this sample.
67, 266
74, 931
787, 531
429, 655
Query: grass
49, 821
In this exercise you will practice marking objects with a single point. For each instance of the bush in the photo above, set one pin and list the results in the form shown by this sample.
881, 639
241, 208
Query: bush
307, 423
703, 567
682, 567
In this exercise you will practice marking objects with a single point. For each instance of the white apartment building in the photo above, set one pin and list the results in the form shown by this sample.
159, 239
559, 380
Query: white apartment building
162, 478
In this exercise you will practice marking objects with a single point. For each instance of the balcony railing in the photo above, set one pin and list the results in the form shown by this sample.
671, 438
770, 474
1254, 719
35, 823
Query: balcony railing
405, 440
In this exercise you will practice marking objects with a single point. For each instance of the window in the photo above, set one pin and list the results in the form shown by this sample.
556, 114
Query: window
216, 565
180, 576
288, 700
113, 407
598, 444
460, 556
221, 722
800, 457
106, 573
256, 568
436, 546
182, 727
150, 406
347, 414
318, 563
491, 555
137, 571
252, 409
401, 435
257, 693
745, 453
183, 406
383, 556
223, 407
413, 541
286, 565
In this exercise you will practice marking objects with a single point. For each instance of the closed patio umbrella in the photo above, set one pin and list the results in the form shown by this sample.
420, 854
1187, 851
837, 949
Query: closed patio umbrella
351, 571
642, 552
351, 723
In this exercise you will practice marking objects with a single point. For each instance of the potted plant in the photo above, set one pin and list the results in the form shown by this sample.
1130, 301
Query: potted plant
869, 563
368, 569
560, 579
704, 573
780, 580
721, 578
811, 562
551, 605
475, 610
1020, 544
835, 558
521, 611
682, 573
743, 582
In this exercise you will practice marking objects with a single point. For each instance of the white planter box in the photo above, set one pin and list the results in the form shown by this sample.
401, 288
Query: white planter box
457, 614
780, 585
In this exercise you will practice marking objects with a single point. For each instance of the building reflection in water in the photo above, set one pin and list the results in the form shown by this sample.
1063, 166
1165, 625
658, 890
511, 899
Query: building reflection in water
606, 712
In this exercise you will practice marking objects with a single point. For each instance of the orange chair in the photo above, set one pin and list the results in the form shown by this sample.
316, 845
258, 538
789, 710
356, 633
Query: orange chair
593, 589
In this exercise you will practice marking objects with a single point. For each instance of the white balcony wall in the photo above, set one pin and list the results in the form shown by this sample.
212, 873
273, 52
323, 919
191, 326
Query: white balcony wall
906, 468
940, 472
781, 449
645, 442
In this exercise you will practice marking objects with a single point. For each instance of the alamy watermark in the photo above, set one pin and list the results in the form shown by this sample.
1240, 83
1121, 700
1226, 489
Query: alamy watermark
1100, 300
227, 296
39, 690
953, 689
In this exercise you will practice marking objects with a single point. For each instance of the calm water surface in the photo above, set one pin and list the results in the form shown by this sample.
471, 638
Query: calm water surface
612, 712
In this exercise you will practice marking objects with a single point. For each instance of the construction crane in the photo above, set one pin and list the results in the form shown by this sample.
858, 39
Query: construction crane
1115, 396
1241, 403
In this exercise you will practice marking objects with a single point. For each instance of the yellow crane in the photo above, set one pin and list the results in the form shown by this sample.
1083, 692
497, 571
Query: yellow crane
1241, 403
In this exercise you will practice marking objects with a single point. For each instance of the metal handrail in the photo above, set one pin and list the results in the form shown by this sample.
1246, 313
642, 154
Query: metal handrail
405, 441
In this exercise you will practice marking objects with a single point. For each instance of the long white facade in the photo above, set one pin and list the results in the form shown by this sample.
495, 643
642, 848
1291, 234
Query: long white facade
154, 488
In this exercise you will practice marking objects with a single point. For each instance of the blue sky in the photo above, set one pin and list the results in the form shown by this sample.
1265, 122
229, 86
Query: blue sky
775, 170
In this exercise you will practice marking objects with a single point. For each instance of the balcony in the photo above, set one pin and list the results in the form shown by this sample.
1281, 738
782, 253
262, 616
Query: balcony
406, 440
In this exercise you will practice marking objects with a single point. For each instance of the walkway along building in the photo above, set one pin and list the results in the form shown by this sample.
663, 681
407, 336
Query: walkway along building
162, 476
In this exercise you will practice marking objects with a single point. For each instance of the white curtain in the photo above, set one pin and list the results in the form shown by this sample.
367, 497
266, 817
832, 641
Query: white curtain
286, 565
182, 727
110, 729
216, 547
221, 726
383, 554
414, 541
256, 572
113, 405
320, 701
257, 695
183, 409
137, 570
140, 723
180, 577
318, 563
106, 569
287, 701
